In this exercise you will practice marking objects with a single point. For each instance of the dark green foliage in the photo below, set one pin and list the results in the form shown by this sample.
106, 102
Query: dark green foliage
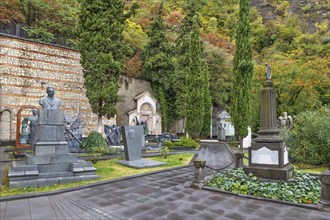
243, 71
301, 188
182, 55
207, 104
158, 65
186, 142
221, 73
168, 144
94, 143
102, 52
309, 140
164, 152
195, 84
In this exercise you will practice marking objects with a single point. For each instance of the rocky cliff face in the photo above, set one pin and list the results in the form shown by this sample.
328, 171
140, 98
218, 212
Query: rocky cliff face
310, 11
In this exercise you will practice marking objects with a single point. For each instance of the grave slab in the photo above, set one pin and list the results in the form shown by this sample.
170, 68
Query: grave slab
143, 163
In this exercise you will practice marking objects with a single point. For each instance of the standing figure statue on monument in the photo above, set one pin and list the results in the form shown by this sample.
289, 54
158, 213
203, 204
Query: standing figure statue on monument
49, 101
268, 71
32, 120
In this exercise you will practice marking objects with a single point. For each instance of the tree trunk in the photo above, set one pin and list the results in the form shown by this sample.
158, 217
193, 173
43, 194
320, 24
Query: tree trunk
99, 124
241, 145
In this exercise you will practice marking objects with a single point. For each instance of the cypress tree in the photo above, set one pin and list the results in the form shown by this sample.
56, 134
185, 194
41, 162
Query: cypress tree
207, 103
157, 56
196, 83
101, 23
182, 65
158, 64
243, 71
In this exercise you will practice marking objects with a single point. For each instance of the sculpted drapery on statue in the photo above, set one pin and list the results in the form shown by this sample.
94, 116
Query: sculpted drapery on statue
49, 101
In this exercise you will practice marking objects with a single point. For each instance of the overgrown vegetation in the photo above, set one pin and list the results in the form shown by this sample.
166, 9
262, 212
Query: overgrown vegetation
107, 170
309, 140
301, 188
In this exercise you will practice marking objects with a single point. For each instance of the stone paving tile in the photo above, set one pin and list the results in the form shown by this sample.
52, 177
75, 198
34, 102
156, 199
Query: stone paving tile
157, 212
17, 209
235, 215
41, 208
317, 215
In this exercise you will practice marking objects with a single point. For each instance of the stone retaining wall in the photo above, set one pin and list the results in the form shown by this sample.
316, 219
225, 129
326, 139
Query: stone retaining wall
27, 68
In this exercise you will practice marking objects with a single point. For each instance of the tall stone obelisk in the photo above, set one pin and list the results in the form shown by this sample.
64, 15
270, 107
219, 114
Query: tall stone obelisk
268, 155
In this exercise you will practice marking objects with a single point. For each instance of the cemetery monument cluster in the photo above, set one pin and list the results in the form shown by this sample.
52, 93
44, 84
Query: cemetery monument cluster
50, 161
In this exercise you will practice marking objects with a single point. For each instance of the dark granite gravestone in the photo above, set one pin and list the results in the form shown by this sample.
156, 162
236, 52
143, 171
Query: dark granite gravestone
133, 142
50, 163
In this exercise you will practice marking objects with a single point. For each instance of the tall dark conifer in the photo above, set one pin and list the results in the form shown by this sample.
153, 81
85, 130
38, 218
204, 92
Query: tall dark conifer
206, 129
158, 54
195, 83
158, 64
101, 24
243, 71
182, 54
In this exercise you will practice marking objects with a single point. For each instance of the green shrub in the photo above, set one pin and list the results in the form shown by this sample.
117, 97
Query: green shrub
187, 142
309, 140
95, 143
165, 152
301, 188
168, 144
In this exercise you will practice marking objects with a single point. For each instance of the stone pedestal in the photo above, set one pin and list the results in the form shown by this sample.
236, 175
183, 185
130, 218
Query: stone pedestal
50, 163
324, 202
199, 180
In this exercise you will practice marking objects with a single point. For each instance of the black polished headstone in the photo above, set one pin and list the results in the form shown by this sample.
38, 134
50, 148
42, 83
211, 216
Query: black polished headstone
133, 142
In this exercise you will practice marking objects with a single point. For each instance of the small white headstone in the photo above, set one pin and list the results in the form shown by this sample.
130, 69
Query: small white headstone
247, 140
286, 156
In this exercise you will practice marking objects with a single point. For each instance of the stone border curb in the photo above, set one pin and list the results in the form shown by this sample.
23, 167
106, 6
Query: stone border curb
28, 196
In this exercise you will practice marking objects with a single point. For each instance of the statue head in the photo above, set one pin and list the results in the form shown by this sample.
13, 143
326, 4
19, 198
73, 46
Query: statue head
50, 91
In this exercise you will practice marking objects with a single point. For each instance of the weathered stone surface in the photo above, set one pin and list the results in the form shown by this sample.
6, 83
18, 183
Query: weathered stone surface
21, 166
63, 158
47, 182
22, 184
55, 174
55, 167
42, 149
62, 149
39, 159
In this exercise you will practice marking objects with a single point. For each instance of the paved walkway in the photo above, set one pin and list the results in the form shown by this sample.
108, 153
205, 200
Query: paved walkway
162, 195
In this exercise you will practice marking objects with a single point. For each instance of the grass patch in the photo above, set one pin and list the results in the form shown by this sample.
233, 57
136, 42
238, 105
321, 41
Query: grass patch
107, 170
307, 168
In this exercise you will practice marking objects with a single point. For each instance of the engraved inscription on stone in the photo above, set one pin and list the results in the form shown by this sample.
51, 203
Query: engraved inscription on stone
265, 156
131, 134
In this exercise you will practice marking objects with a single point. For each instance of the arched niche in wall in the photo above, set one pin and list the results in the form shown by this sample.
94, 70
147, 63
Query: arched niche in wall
5, 125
